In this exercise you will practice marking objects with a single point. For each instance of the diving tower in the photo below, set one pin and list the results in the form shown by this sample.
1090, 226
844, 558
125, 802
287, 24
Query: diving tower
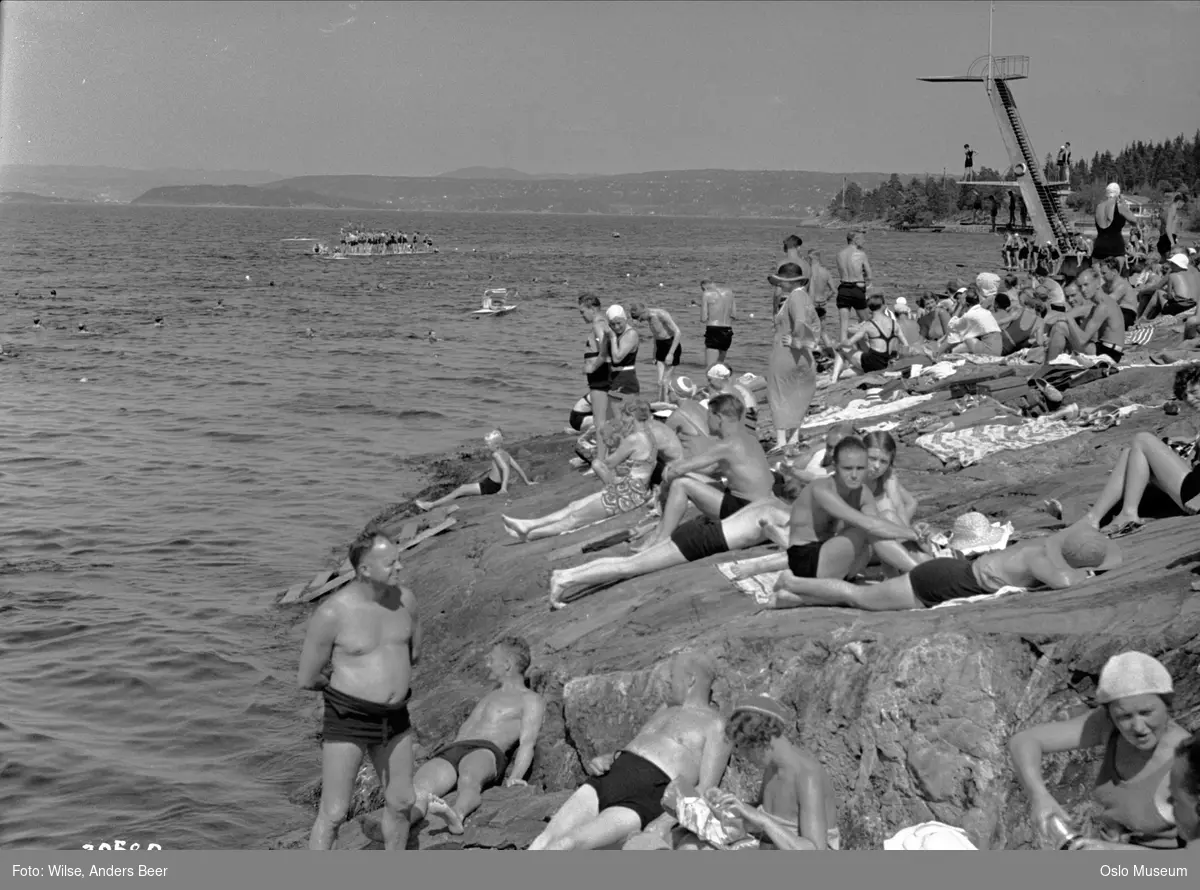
1041, 197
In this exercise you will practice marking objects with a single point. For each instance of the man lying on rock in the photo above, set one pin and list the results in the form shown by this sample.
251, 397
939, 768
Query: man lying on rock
798, 804
509, 716
696, 539
739, 457
1062, 560
684, 739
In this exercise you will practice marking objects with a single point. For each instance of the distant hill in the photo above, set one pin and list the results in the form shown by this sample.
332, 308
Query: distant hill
116, 185
242, 196
28, 198
749, 193
508, 173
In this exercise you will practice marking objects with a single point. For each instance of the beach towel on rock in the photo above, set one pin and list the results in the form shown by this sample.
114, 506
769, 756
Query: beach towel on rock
861, 408
1139, 336
971, 445
758, 586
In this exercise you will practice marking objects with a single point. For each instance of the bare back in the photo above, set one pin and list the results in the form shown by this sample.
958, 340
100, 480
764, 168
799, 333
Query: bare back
1015, 565
497, 717
371, 648
1112, 329
1185, 285
850, 262
780, 795
718, 305
660, 324
690, 423
665, 439
674, 740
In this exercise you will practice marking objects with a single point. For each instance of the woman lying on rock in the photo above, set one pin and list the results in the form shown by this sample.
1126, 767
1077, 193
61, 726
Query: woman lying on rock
1149, 460
1133, 723
625, 472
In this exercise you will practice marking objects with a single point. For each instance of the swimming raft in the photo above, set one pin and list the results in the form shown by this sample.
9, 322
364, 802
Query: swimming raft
495, 301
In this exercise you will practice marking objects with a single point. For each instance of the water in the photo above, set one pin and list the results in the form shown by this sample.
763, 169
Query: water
151, 515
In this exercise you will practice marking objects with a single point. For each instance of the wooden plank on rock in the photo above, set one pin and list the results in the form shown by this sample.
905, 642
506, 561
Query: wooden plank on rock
427, 534
340, 581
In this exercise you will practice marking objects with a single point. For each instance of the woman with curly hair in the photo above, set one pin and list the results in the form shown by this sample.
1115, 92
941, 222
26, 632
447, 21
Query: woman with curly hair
1150, 460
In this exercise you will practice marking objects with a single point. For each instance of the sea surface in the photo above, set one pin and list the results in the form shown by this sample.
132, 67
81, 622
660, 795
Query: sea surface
159, 487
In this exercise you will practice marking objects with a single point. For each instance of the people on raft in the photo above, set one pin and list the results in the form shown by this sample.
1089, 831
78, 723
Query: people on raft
668, 342
879, 339
369, 632
1132, 721
625, 473
683, 740
496, 481
797, 802
736, 454
1150, 461
508, 717
693, 540
1062, 560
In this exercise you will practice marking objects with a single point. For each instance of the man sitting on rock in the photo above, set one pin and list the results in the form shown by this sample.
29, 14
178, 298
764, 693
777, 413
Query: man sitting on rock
740, 458
506, 717
684, 740
1064, 559
691, 541
798, 808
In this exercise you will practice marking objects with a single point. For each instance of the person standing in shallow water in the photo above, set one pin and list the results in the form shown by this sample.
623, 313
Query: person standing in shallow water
854, 270
596, 367
718, 310
370, 632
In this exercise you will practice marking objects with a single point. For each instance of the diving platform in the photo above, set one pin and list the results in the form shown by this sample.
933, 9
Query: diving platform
1041, 197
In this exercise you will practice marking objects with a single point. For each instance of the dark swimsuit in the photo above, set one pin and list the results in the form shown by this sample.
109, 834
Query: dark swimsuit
718, 337
634, 783
599, 379
624, 376
851, 296
700, 537
489, 486
662, 351
352, 719
1109, 242
454, 752
878, 361
943, 579
731, 503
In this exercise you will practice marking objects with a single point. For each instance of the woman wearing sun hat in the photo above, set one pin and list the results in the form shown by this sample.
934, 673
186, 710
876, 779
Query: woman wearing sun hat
1132, 721
792, 366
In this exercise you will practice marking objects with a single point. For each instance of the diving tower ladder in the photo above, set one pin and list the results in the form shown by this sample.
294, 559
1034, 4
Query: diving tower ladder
1041, 197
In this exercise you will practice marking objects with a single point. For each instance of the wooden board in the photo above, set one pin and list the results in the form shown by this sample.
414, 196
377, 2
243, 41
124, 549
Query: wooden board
427, 534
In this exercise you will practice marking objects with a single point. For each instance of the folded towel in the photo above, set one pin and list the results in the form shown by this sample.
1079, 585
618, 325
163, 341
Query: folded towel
757, 586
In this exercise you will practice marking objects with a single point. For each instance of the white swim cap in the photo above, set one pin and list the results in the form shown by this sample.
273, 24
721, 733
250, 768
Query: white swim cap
988, 284
615, 311
1132, 673
721, 372
493, 438
1112, 190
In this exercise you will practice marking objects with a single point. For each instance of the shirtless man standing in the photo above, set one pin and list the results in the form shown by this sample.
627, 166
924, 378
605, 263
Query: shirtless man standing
668, 341
694, 540
684, 739
718, 311
798, 809
740, 459
1066, 558
371, 633
1105, 325
507, 717
1169, 225
820, 286
855, 272
835, 520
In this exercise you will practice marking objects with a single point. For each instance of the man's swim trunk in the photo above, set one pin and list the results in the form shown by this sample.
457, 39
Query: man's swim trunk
352, 719
662, 351
489, 486
803, 559
700, 537
943, 579
718, 337
851, 296
456, 751
730, 504
1107, 349
634, 783
1190, 487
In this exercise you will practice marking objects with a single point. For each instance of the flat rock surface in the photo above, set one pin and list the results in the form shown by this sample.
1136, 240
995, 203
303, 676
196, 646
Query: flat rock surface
909, 711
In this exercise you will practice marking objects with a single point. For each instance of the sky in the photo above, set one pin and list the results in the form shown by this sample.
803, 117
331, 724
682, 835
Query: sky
417, 89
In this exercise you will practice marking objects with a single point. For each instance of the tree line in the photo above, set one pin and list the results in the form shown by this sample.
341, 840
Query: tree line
1155, 171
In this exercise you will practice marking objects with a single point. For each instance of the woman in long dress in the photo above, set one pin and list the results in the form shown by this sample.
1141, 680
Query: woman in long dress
792, 369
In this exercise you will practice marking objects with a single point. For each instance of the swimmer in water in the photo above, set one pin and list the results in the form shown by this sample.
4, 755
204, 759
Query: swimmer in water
83, 328
220, 305
37, 325
310, 333
158, 322
432, 337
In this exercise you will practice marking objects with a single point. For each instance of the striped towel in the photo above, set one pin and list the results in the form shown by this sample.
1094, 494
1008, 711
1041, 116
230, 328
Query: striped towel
1139, 336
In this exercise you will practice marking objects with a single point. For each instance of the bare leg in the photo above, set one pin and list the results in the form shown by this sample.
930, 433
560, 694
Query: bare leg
1114, 490
613, 825
612, 568
683, 491
1150, 461
470, 488
474, 770
590, 510
521, 528
339, 768
580, 808
434, 779
662, 380
895, 594
394, 766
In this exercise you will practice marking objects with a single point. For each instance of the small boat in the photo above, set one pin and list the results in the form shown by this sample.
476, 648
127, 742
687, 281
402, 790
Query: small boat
495, 301
616, 234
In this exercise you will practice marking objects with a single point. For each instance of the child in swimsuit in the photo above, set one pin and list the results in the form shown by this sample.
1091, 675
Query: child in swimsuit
496, 481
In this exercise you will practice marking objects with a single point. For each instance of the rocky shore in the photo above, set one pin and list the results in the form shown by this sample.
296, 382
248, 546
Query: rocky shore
910, 712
